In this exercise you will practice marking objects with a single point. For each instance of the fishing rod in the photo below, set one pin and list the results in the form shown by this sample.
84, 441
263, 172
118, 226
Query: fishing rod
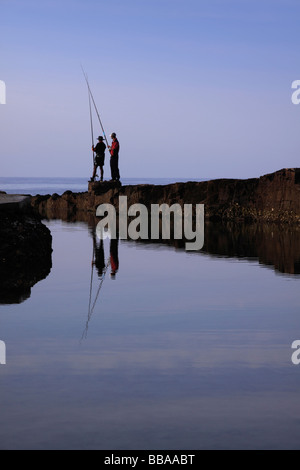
92, 131
91, 95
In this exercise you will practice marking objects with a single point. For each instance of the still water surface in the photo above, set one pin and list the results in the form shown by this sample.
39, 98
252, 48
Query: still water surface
177, 351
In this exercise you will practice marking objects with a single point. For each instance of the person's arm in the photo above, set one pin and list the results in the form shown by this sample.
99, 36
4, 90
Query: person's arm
96, 149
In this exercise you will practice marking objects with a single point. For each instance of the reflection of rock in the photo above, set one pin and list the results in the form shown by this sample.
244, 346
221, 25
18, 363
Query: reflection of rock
273, 197
228, 203
271, 244
25, 254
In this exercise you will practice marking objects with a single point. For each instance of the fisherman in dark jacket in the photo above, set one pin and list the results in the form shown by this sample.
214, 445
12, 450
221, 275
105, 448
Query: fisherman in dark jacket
99, 158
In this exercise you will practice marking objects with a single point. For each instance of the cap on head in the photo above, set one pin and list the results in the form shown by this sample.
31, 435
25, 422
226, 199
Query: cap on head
100, 137
113, 135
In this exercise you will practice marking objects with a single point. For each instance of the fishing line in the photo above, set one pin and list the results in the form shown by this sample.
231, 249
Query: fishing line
92, 130
91, 95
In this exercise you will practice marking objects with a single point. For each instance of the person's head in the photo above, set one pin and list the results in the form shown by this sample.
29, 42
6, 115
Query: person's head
113, 135
100, 138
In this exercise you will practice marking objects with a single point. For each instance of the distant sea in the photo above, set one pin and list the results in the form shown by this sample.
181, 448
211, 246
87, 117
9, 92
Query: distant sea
34, 186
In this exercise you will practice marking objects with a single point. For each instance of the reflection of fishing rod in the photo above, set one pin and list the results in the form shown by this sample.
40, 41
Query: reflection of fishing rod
90, 312
91, 283
91, 95
100, 285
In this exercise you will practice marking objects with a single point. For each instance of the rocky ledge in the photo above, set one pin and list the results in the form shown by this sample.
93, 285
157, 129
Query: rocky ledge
274, 197
25, 249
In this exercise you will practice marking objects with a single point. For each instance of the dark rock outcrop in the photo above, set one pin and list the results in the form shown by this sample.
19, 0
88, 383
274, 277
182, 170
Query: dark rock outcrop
25, 253
273, 197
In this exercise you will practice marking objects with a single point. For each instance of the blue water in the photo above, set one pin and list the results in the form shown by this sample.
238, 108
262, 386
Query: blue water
179, 350
42, 186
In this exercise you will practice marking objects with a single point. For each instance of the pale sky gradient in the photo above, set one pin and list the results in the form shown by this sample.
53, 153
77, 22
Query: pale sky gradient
193, 88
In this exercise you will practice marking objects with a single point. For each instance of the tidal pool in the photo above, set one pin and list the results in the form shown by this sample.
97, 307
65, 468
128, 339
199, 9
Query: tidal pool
177, 350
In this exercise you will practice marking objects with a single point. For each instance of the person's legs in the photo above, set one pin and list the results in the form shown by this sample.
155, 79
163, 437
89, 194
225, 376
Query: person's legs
112, 168
101, 173
94, 172
117, 176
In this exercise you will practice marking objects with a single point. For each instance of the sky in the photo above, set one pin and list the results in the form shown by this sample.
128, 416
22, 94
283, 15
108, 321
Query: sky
192, 88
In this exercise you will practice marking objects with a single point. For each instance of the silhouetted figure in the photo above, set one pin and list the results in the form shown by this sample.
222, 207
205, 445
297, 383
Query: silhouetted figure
114, 256
99, 260
114, 158
99, 158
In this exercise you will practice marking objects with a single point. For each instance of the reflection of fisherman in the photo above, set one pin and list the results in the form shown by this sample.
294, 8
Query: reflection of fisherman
98, 260
114, 256
99, 158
